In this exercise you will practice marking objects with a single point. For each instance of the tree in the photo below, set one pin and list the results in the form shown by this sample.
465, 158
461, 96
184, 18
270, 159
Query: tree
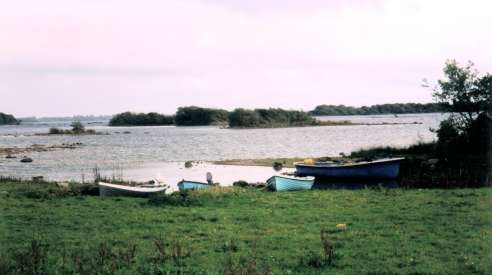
77, 127
464, 93
467, 96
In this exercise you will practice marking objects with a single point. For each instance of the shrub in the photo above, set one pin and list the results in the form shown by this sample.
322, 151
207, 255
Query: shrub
77, 127
240, 183
181, 198
55, 131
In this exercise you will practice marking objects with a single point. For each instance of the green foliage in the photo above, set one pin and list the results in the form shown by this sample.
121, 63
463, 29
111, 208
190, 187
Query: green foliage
244, 118
464, 93
77, 127
56, 131
48, 191
197, 116
141, 119
468, 96
422, 149
266, 118
7, 119
181, 198
76, 131
395, 108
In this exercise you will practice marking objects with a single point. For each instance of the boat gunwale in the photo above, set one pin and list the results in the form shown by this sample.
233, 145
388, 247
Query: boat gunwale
133, 188
306, 178
196, 182
365, 163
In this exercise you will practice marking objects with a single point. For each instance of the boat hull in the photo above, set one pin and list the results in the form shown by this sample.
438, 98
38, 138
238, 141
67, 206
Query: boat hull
192, 185
114, 190
280, 184
387, 169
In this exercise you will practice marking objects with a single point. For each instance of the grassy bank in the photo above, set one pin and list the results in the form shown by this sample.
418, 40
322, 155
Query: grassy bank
234, 231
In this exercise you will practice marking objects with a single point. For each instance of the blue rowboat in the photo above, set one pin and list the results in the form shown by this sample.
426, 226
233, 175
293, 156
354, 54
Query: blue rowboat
290, 183
192, 185
379, 169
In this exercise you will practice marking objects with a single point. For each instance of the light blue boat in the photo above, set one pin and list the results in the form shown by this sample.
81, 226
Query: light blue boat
192, 185
290, 183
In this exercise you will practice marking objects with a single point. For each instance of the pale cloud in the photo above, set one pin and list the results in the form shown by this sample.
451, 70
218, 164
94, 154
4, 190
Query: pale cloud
111, 56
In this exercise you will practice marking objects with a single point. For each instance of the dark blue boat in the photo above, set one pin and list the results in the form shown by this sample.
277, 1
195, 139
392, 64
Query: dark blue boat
379, 169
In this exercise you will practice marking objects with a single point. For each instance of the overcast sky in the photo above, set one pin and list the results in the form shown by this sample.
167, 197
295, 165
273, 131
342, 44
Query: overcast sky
67, 57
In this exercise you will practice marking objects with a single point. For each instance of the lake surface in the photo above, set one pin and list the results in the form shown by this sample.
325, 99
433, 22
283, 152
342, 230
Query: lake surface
145, 152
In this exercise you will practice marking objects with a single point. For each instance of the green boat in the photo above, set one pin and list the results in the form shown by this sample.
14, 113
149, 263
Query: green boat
290, 183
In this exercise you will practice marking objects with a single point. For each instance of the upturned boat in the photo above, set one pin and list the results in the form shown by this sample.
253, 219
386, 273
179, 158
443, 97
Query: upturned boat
111, 190
192, 185
378, 169
289, 183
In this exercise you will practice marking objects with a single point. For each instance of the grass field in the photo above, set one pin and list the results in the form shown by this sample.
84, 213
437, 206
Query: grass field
246, 231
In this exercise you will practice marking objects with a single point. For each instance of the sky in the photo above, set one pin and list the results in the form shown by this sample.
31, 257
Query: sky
70, 57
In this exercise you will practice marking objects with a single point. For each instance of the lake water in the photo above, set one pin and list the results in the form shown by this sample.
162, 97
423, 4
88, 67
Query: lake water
146, 152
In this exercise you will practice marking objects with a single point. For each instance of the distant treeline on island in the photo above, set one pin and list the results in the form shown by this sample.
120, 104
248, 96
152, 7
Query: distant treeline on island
394, 108
264, 118
7, 119
197, 116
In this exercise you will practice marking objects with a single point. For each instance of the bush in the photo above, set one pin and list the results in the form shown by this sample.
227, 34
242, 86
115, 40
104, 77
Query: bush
181, 198
55, 131
240, 183
77, 127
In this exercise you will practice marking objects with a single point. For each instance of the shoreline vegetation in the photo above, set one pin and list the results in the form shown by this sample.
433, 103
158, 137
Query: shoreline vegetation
426, 165
236, 119
244, 118
379, 109
77, 129
7, 119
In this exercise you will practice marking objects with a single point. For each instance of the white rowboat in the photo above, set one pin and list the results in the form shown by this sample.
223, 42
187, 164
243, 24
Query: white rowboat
111, 190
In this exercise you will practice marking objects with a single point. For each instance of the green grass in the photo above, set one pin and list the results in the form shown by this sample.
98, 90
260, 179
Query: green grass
232, 230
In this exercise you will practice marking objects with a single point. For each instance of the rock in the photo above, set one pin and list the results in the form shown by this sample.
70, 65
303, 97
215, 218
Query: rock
277, 166
188, 164
10, 157
26, 159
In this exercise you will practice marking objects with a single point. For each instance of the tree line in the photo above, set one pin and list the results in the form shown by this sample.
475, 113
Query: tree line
7, 119
197, 116
392, 108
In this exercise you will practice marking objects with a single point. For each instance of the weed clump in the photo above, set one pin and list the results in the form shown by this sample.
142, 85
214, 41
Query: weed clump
181, 198
317, 260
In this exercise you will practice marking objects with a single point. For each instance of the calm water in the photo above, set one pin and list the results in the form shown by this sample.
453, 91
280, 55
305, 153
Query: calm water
148, 152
